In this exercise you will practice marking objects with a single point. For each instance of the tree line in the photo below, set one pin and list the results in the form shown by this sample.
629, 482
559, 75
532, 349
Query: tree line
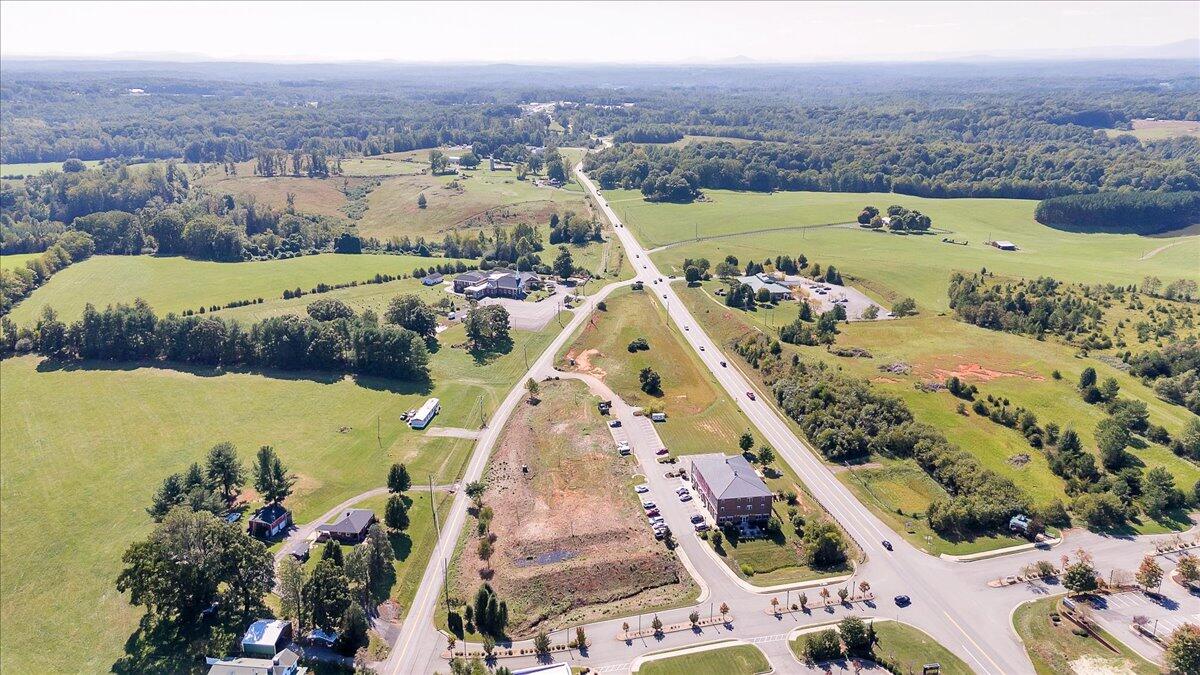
1132, 212
360, 344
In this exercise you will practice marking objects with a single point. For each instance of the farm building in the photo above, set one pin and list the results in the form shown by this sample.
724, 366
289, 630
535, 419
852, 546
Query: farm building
425, 413
351, 528
497, 283
269, 521
730, 489
1004, 245
759, 281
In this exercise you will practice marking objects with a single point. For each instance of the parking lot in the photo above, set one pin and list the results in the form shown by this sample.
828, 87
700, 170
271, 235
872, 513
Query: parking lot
1164, 614
826, 295
523, 314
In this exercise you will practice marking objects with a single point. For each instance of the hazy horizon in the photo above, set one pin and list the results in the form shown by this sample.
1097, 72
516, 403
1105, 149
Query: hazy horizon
596, 33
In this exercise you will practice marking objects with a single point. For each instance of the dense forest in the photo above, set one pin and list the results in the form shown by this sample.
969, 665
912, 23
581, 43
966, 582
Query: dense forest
1133, 212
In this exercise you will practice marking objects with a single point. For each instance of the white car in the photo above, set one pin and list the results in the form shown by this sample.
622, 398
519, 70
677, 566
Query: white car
657, 520
647, 504
685, 497
642, 489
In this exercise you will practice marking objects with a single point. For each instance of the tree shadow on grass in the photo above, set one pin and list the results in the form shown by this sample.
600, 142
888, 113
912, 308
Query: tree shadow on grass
486, 355
169, 645
402, 387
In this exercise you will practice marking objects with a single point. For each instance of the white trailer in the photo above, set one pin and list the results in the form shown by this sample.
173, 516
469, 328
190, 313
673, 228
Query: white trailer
425, 413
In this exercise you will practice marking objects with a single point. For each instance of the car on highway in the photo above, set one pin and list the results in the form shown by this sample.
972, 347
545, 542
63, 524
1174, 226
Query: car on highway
661, 451
887, 544
902, 600
723, 364
688, 328
641, 489
645, 267
750, 395
701, 347
664, 296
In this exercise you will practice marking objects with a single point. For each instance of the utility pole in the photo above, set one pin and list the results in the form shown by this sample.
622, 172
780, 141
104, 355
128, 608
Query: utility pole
378, 438
446, 589
432, 510
526, 350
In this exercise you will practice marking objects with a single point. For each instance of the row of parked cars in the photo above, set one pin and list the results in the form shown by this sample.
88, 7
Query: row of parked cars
657, 522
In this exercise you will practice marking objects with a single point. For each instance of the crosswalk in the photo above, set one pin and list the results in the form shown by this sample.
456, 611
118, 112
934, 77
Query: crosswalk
613, 668
764, 639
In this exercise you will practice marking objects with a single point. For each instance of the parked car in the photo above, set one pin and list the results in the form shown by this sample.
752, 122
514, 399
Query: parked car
903, 600
652, 513
659, 534
685, 497
647, 504
233, 517
701, 526
697, 518
682, 490
614, 423
642, 489
662, 451
750, 395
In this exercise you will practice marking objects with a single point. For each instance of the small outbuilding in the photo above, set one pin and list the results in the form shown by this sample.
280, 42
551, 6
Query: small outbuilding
270, 521
1004, 245
432, 279
424, 414
267, 637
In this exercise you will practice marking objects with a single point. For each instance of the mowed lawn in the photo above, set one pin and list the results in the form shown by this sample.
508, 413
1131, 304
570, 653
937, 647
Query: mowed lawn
904, 646
916, 266
740, 659
1057, 649
414, 546
82, 450
699, 417
173, 284
10, 261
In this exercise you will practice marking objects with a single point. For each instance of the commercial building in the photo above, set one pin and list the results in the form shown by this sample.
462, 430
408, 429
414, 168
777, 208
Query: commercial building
760, 281
496, 283
730, 490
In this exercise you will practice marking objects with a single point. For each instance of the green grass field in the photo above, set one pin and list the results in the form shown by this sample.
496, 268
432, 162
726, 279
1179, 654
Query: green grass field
917, 266
699, 418
34, 168
175, 284
739, 659
100, 438
1056, 650
1002, 364
1157, 130
15, 260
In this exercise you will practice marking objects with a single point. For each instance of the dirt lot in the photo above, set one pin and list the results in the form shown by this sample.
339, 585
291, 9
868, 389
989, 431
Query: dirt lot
572, 543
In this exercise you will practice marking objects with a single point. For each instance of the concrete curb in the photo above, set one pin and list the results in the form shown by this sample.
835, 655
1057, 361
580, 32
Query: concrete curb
987, 555
694, 649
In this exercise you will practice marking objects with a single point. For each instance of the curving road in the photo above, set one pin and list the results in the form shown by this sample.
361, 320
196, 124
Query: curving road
950, 600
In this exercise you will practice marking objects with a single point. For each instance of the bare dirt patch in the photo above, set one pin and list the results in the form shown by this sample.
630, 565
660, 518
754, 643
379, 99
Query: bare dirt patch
975, 371
583, 362
1094, 665
572, 542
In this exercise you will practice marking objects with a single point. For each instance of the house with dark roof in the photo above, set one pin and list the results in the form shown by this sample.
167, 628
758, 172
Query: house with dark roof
730, 490
432, 279
269, 521
351, 528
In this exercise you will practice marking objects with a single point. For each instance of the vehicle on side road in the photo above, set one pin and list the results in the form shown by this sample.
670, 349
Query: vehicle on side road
750, 395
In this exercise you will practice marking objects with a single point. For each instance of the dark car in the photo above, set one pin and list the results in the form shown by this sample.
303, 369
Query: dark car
750, 395
887, 544
722, 364
902, 600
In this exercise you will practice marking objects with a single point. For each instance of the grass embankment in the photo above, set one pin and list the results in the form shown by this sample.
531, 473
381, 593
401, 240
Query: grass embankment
572, 545
176, 284
100, 437
11, 261
916, 266
905, 647
700, 418
734, 660
1056, 650
1002, 364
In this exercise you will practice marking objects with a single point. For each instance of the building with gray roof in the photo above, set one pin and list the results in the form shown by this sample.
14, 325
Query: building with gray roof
730, 489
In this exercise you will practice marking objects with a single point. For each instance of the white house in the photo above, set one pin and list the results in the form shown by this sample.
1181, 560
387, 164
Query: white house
425, 414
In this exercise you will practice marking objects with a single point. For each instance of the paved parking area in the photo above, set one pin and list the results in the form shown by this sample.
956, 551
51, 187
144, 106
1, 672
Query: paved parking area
1165, 614
854, 300
526, 315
